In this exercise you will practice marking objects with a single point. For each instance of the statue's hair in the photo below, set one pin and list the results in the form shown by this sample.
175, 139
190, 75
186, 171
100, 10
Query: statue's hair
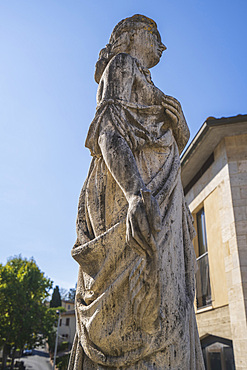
135, 22
130, 24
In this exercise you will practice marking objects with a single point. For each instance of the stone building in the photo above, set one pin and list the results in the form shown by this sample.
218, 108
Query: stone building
67, 324
214, 176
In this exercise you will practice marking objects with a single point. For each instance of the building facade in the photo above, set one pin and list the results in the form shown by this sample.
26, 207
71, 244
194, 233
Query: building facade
67, 323
214, 176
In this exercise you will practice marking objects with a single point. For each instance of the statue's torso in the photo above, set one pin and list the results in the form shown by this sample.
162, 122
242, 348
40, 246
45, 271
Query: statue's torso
142, 90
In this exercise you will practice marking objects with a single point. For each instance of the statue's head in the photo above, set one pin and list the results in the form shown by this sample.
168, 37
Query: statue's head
131, 24
138, 36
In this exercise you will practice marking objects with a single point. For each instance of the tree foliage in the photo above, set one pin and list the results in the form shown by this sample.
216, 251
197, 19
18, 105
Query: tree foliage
68, 295
71, 294
63, 293
23, 289
55, 298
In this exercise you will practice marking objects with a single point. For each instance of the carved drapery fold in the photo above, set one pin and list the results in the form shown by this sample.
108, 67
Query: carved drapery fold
108, 328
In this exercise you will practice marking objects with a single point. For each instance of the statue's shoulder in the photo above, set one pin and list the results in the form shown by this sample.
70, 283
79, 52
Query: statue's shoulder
123, 61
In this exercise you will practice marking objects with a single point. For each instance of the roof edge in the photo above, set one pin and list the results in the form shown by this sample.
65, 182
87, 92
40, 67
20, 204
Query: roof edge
210, 122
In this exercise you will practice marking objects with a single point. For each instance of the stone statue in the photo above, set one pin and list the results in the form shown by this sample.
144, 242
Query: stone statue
135, 292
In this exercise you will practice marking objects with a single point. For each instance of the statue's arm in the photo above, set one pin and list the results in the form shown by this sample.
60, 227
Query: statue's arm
84, 230
143, 219
121, 162
119, 76
118, 81
180, 128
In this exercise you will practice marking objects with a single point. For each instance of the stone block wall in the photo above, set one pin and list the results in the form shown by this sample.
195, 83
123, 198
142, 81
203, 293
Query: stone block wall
236, 148
226, 182
215, 321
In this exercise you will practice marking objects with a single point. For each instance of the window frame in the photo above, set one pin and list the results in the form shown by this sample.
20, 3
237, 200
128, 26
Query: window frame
203, 282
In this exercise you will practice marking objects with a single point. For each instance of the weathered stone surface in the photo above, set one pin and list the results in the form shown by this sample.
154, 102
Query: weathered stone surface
135, 293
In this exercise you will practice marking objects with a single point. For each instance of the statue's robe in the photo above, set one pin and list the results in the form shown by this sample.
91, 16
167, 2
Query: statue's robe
123, 321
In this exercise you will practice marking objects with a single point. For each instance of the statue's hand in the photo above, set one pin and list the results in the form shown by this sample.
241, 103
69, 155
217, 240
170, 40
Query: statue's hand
143, 222
173, 110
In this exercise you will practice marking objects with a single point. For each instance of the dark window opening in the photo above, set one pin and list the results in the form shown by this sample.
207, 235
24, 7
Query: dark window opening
67, 322
217, 353
203, 289
201, 232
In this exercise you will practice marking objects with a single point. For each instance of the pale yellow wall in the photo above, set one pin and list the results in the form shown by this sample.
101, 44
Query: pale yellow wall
68, 305
70, 329
215, 251
211, 179
226, 180
215, 322
236, 148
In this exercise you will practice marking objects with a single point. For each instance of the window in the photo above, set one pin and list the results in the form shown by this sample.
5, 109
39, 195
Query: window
60, 324
217, 353
67, 322
203, 290
68, 306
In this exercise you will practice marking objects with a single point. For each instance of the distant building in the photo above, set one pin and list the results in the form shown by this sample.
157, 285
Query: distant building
68, 305
214, 176
67, 324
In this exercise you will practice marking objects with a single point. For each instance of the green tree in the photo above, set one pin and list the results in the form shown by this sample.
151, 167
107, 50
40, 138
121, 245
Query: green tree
23, 289
63, 293
55, 298
71, 294
68, 295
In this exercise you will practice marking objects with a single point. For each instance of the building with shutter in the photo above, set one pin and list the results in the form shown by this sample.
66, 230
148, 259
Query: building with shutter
67, 324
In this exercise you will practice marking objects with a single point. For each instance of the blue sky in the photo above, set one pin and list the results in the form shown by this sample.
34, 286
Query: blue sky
48, 98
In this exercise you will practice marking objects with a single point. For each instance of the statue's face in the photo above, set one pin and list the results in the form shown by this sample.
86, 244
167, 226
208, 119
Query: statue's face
147, 43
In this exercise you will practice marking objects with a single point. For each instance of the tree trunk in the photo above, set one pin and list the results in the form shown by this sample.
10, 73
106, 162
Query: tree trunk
13, 358
5, 352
